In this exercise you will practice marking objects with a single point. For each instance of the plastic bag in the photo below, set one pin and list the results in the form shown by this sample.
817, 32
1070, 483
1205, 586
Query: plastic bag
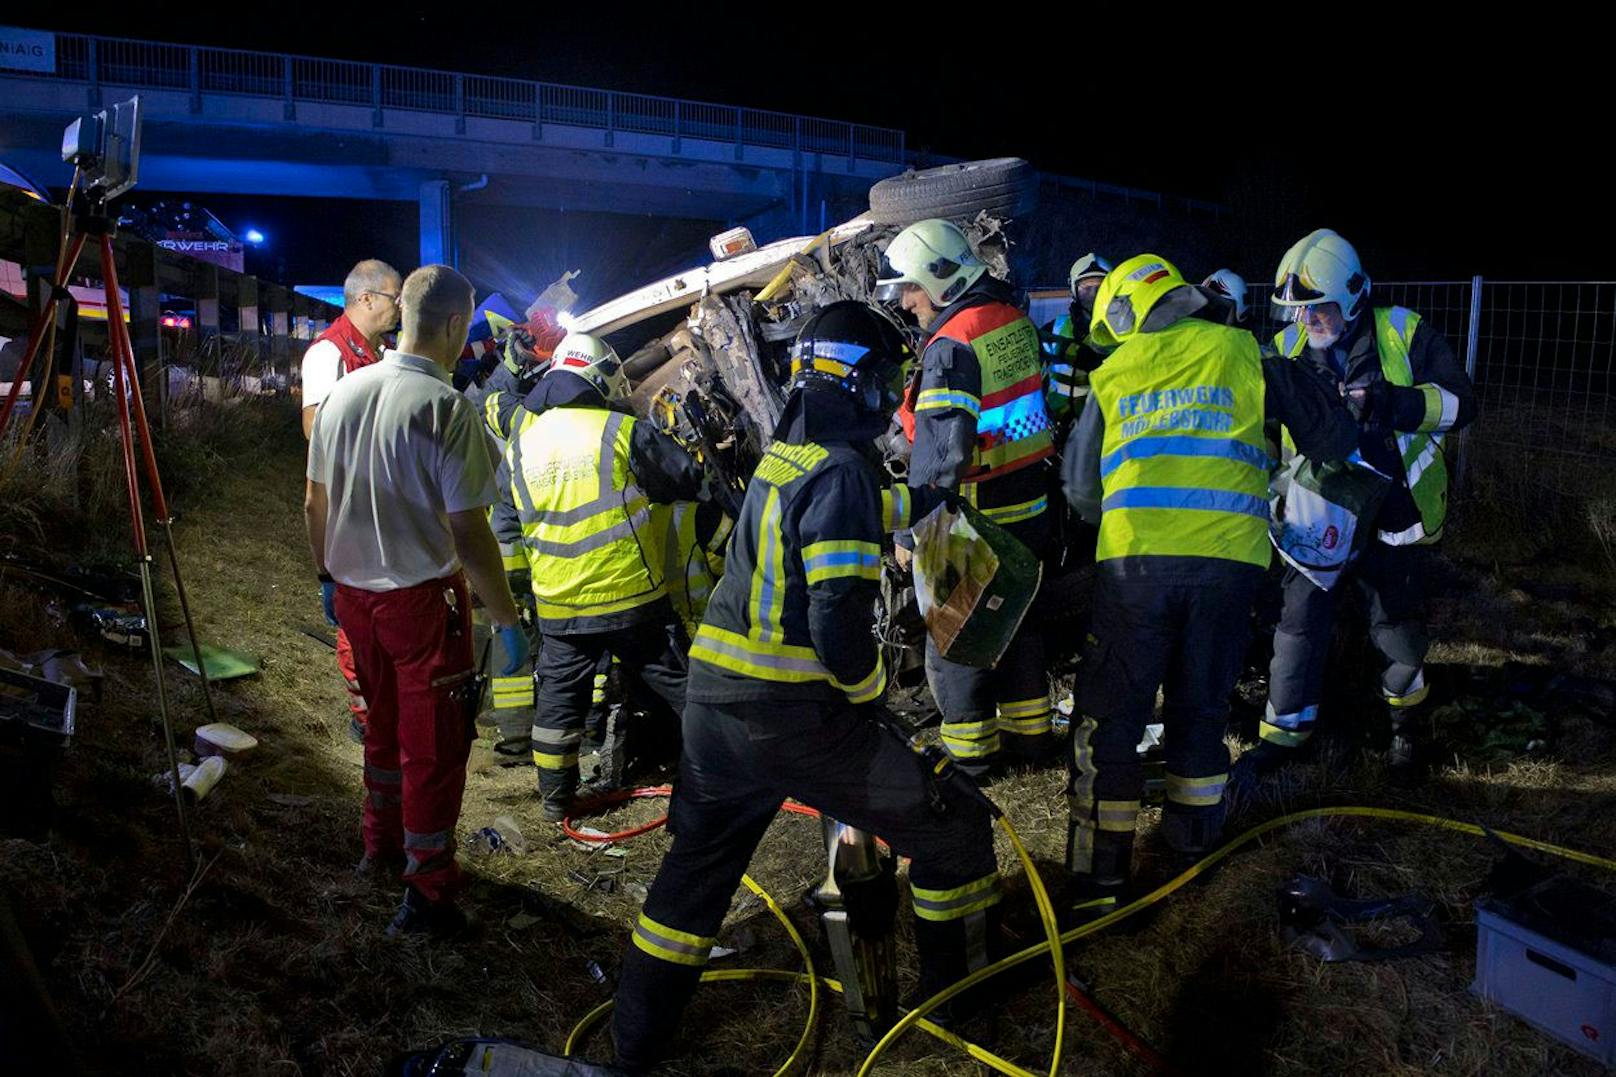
1314, 523
974, 582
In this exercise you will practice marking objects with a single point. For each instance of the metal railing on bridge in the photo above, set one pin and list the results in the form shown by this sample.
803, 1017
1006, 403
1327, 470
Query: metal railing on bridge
201, 70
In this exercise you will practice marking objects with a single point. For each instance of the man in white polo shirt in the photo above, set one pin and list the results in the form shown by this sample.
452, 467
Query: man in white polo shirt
369, 310
399, 482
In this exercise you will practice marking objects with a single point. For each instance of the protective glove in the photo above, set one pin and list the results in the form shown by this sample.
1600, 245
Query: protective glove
1371, 403
925, 499
513, 641
328, 599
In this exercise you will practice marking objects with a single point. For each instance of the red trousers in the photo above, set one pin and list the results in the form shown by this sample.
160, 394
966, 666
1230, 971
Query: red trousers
413, 657
350, 681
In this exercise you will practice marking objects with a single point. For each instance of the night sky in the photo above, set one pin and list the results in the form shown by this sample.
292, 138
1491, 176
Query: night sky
1439, 152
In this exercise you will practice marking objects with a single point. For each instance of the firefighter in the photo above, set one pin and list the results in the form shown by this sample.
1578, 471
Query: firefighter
1169, 459
693, 536
785, 693
525, 356
627, 726
1409, 391
584, 475
979, 426
1069, 351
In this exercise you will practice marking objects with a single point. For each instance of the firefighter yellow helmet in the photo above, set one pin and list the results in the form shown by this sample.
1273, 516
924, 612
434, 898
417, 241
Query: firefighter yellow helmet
1321, 268
593, 360
1127, 295
933, 255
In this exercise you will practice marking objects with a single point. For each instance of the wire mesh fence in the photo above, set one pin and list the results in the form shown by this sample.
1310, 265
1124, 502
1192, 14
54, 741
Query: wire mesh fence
1542, 356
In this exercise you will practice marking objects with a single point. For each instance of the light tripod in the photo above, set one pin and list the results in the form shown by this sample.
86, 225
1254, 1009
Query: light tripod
87, 218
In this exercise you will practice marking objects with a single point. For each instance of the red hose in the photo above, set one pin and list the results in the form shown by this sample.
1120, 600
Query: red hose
619, 796
1137, 1047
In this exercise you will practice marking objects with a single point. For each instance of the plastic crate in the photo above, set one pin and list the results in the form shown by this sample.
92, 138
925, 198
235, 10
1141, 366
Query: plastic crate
1548, 956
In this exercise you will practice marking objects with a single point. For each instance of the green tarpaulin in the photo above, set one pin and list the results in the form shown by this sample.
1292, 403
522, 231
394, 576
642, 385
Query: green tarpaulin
222, 664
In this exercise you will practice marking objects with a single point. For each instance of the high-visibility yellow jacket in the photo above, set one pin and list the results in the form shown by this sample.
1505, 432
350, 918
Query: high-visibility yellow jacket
1183, 466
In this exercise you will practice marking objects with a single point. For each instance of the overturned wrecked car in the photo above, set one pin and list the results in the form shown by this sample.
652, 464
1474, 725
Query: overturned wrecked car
707, 349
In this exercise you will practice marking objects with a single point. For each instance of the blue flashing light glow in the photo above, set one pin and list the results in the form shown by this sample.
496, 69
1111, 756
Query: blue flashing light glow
253, 236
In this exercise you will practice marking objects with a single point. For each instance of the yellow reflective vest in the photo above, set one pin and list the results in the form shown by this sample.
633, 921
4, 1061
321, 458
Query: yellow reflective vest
1424, 465
586, 527
1183, 468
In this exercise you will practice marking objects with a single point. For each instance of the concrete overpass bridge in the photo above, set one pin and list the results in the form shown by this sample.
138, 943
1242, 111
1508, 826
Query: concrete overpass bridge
236, 122
252, 123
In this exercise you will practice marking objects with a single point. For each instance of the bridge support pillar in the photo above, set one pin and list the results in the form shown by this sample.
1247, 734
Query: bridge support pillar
437, 223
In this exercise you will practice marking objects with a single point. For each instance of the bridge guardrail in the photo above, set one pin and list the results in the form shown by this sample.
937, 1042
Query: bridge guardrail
203, 70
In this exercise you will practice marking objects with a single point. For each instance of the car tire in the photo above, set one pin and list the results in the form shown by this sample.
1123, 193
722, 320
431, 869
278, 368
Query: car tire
1002, 186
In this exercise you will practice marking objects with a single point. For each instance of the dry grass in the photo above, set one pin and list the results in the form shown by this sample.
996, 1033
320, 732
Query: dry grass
278, 966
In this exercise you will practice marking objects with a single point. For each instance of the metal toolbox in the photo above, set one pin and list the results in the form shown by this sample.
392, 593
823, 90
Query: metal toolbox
35, 709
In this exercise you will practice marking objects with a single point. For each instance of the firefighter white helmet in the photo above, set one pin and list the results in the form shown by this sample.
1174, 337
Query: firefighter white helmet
1089, 267
593, 360
1231, 286
1321, 268
935, 256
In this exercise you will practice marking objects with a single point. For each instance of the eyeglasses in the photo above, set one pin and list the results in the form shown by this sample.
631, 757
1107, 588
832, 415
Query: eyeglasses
386, 295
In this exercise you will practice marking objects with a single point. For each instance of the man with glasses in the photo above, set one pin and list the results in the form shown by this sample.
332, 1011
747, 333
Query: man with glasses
370, 309
1407, 389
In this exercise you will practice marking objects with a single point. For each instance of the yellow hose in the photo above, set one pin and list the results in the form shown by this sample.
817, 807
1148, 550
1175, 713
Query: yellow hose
791, 1062
916, 1017
1200, 868
1046, 913
714, 976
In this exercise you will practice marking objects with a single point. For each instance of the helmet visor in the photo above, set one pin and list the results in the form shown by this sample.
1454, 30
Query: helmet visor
1291, 292
889, 291
882, 386
1302, 313
889, 282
